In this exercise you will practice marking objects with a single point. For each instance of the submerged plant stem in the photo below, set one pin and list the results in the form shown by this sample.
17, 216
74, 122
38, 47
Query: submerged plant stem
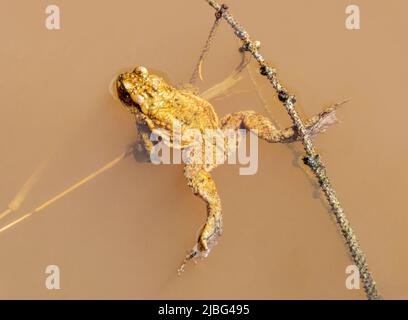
312, 158
65, 192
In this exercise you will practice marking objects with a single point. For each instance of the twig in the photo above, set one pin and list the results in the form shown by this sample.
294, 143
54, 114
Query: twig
312, 158
197, 73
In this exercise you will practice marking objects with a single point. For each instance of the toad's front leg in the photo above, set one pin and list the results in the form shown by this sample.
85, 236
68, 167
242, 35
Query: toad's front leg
143, 146
203, 185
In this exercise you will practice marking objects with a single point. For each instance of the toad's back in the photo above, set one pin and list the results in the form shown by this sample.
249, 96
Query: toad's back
191, 111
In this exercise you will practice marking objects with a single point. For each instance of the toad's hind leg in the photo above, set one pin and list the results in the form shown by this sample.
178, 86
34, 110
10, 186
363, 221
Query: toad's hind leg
203, 185
266, 130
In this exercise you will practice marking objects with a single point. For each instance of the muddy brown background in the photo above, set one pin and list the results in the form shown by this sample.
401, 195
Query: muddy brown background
124, 234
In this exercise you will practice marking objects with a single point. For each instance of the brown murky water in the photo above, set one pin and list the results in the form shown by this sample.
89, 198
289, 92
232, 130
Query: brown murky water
124, 234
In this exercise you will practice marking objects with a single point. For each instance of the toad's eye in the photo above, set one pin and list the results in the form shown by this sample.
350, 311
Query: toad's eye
141, 71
